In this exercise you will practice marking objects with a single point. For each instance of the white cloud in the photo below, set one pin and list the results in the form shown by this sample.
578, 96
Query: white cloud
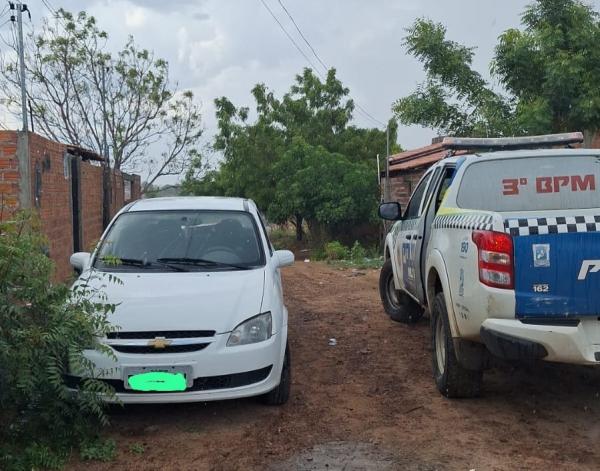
135, 17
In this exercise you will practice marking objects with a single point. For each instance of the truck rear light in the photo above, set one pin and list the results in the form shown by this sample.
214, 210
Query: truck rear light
495, 258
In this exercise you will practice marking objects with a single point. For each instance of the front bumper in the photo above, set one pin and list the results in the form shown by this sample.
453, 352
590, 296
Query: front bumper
513, 339
219, 372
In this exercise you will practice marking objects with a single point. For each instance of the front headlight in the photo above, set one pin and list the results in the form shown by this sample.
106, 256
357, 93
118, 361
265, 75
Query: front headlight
256, 329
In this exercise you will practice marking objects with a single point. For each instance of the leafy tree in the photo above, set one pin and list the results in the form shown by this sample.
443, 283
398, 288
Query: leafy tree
549, 71
330, 191
273, 159
44, 328
552, 67
76, 87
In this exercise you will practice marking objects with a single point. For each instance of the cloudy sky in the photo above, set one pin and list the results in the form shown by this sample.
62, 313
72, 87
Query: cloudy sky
224, 47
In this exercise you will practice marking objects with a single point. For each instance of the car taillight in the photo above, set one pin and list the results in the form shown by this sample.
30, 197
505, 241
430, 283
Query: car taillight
495, 258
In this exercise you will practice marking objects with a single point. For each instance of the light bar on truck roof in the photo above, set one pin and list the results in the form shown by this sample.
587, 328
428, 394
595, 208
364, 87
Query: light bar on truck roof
526, 142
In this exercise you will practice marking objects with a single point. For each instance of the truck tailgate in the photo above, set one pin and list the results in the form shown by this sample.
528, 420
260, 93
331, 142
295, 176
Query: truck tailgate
558, 274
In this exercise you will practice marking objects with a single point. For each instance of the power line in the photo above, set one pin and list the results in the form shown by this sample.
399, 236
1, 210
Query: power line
302, 35
49, 6
291, 39
358, 106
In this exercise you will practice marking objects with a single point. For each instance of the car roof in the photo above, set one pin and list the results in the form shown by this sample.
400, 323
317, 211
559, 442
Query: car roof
533, 153
191, 202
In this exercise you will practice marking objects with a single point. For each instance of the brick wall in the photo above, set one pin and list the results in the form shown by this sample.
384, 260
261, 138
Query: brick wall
9, 173
91, 204
51, 188
403, 184
51, 196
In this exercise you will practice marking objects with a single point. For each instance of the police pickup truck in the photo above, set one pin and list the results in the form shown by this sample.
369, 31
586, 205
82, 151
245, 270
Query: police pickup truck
502, 248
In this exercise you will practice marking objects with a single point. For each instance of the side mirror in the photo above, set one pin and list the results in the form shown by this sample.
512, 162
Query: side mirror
283, 258
390, 211
80, 261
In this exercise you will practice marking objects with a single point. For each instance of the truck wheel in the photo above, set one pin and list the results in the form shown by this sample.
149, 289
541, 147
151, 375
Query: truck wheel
451, 378
281, 394
398, 305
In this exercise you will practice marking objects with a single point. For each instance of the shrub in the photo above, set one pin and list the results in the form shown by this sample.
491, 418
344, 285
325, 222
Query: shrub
357, 252
44, 328
336, 251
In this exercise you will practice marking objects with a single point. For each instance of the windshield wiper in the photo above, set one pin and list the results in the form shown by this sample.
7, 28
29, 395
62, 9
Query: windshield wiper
201, 262
142, 263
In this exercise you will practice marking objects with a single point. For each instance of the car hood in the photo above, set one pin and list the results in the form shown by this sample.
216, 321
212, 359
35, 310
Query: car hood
217, 300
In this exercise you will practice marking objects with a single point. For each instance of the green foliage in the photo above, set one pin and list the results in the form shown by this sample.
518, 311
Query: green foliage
137, 448
549, 70
357, 253
300, 160
336, 251
98, 449
358, 257
44, 328
551, 66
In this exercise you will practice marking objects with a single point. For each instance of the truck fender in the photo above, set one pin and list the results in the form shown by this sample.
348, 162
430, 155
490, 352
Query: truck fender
390, 253
437, 273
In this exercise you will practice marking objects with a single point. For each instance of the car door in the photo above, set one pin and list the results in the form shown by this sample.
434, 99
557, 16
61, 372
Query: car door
407, 240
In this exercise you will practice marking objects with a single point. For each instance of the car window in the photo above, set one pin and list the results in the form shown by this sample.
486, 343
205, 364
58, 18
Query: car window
446, 182
531, 184
432, 187
150, 237
412, 210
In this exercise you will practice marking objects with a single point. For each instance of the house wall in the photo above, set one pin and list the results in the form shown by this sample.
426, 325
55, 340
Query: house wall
403, 184
51, 194
9, 174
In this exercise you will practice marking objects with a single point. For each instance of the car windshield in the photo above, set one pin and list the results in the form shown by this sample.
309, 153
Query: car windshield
181, 241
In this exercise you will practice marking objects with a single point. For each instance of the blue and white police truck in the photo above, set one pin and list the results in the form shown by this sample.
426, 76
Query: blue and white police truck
502, 247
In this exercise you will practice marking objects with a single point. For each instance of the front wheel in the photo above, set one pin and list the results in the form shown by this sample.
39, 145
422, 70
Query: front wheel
398, 305
451, 379
281, 394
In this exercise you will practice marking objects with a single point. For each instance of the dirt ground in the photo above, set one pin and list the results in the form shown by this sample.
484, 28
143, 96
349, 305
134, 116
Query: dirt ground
369, 403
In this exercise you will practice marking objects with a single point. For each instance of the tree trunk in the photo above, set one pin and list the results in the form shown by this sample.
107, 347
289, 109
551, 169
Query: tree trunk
106, 195
298, 223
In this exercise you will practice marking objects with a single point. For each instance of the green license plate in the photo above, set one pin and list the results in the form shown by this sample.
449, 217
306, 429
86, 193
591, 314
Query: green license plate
160, 381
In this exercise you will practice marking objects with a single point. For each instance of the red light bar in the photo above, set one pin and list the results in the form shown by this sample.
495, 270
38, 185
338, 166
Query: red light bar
525, 142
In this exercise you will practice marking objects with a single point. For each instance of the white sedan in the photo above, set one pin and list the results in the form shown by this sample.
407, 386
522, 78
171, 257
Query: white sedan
200, 309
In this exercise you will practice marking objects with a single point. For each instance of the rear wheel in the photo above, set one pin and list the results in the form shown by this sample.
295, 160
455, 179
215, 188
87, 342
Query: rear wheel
451, 378
398, 305
281, 393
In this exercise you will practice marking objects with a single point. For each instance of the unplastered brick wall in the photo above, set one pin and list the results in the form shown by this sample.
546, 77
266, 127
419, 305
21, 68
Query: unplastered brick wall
52, 194
91, 204
403, 184
9, 174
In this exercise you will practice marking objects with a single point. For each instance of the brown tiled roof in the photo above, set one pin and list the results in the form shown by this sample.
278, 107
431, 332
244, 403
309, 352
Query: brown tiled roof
421, 157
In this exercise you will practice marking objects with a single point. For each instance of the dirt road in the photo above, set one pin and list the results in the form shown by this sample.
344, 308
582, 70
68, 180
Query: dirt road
369, 403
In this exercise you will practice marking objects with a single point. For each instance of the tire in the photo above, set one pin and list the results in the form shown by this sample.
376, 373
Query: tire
451, 379
398, 305
281, 394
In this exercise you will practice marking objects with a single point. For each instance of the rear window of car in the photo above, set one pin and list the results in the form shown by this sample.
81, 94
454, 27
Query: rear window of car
531, 184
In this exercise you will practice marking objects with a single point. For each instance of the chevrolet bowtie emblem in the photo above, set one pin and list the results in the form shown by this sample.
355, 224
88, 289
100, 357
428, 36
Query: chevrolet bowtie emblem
159, 342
